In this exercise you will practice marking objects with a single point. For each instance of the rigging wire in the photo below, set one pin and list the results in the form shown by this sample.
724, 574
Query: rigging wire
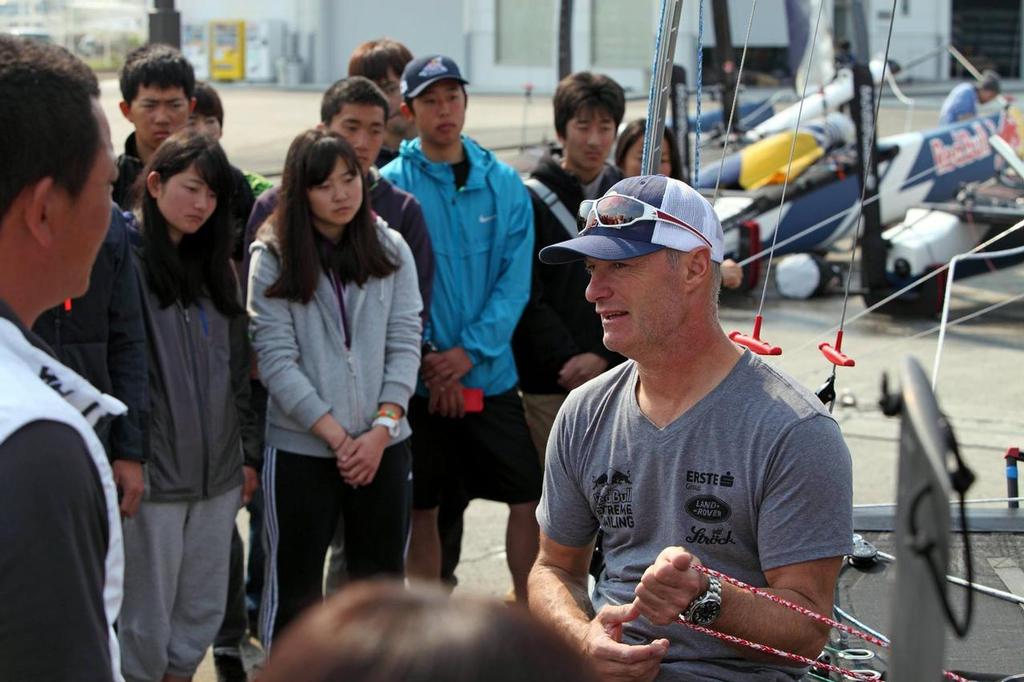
700, 86
949, 290
735, 98
921, 280
833, 353
792, 152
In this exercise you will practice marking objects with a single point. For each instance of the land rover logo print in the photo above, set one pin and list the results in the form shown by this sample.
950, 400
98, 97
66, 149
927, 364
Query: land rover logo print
613, 499
708, 508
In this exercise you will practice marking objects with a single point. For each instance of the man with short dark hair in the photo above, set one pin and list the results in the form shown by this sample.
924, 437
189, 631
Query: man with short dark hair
356, 109
691, 442
383, 60
470, 438
157, 86
62, 563
962, 101
557, 344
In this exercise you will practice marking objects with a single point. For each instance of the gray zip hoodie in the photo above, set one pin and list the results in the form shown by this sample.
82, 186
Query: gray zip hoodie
302, 357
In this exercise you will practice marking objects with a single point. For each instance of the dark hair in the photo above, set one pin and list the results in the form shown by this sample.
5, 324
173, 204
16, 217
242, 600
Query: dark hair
351, 90
156, 65
47, 124
200, 263
634, 132
208, 102
374, 58
380, 632
359, 255
586, 90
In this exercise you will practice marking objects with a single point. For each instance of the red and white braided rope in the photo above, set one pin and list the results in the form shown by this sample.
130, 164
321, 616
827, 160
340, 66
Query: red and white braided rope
804, 611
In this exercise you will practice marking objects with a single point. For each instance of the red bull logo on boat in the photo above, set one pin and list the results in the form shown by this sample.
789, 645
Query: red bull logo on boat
968, 146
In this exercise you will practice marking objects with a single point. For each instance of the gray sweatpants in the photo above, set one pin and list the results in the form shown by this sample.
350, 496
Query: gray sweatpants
175, 584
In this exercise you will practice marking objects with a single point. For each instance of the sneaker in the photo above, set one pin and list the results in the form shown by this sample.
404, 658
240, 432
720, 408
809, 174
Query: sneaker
229, 668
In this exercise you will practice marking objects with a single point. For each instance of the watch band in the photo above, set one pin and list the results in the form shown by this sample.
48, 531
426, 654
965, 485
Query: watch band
389, 423
705, 607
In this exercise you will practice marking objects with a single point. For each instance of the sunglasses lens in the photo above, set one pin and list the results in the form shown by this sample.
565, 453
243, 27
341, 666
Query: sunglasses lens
585, 218
619, 210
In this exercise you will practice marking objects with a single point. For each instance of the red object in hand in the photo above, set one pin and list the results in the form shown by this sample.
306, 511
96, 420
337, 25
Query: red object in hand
754, 342
473, 399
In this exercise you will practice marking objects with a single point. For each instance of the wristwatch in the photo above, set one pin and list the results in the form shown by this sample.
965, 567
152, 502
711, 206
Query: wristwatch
389, 423
706, 607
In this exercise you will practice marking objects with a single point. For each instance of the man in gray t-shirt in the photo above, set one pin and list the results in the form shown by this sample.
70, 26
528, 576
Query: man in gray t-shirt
693, 453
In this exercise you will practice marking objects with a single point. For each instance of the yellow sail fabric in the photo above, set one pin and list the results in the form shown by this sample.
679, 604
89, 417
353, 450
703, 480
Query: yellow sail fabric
765, 161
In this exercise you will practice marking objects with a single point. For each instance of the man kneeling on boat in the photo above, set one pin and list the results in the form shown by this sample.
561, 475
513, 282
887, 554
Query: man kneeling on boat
692, 454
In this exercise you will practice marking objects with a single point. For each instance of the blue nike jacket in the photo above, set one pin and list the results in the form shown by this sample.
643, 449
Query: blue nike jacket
483, 244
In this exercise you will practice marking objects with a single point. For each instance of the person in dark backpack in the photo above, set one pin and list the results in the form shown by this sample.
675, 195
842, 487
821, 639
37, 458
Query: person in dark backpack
557, 344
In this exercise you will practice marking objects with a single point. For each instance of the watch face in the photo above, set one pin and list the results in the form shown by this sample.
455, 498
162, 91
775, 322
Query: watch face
706, 612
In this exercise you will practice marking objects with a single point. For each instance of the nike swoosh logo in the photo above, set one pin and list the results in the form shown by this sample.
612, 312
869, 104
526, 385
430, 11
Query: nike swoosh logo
488, 218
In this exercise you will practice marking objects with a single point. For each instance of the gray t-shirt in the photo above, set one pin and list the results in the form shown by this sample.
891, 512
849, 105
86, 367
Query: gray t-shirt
753, 477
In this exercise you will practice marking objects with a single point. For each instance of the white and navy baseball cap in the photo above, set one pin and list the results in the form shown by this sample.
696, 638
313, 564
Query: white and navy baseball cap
423, 72
674, 197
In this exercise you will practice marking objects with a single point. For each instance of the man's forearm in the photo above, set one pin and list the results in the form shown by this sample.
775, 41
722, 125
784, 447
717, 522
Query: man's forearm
561, 600
757, 619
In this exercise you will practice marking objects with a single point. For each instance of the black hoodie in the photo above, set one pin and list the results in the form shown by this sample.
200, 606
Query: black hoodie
558, 322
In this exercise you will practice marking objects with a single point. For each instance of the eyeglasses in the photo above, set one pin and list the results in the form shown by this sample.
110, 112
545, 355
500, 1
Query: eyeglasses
389, 87
618, 210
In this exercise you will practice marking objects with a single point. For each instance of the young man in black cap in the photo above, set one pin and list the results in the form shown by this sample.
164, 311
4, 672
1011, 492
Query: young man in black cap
470, 437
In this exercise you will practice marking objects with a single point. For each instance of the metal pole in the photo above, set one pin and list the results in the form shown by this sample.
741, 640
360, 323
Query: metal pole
165, 24
564, 39
661, 72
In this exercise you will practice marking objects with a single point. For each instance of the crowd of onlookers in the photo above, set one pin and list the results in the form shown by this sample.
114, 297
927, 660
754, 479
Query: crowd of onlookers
355, 353
400, 326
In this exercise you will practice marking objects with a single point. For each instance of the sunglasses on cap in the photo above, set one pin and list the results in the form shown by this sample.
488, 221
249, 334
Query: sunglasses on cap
616, 211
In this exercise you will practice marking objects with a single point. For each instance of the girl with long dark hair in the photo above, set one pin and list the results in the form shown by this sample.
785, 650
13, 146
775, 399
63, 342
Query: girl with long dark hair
334, 318
176, 546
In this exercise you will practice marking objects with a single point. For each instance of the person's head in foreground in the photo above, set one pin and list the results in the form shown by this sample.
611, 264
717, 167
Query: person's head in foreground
654, 248
55, 187
380, 631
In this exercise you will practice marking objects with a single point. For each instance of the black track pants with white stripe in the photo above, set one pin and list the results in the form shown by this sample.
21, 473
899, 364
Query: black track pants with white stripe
304, 497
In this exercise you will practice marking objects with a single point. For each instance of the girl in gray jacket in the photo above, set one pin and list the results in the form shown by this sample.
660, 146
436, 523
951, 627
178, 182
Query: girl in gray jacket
334, 319
197, 471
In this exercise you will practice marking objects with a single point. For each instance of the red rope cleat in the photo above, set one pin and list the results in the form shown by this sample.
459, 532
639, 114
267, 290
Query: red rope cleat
754, 342
835, 354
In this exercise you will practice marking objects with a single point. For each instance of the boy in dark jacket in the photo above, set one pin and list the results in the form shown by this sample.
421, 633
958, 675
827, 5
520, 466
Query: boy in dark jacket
557, 344
157, 87
101, 336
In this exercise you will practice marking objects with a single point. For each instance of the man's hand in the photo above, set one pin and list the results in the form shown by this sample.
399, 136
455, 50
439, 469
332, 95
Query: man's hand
128, 478
359, 458
446, 400
732, 274
446, 366
249, 485
669, 585
579, 369
614, 660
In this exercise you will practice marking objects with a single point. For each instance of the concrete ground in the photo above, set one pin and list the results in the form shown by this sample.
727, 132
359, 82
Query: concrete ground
980, 383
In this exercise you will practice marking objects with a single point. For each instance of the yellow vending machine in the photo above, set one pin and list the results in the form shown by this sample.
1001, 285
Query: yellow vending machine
227, 50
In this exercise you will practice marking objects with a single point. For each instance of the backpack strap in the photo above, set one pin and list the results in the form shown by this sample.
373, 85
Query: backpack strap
551, 200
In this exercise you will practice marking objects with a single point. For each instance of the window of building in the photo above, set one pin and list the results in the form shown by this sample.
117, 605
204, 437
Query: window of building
622, 33
524, 32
